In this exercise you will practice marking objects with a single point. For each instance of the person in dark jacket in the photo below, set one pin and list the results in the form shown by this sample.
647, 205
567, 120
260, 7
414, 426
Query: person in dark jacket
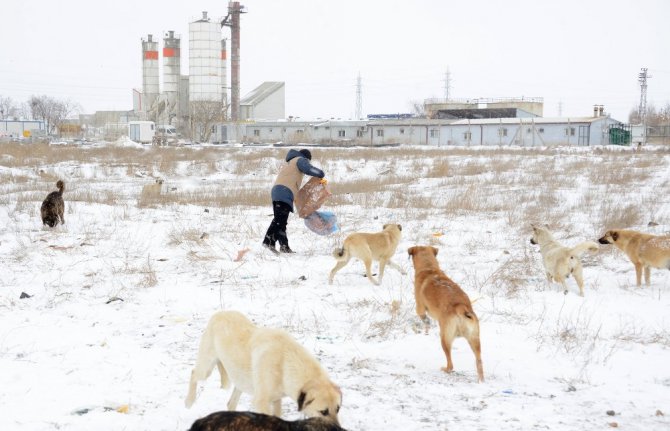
286, 186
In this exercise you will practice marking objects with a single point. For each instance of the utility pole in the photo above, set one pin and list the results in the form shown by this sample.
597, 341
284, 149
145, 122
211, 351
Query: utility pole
447, 84
359, 97
642, 110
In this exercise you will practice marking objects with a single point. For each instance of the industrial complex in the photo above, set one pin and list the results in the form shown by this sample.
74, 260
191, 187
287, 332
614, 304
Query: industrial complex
205, 106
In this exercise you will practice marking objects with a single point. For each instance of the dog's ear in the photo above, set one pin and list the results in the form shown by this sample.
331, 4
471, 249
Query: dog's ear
411, 250
615, 235
301, 400
384, 227
400, 228
434, 251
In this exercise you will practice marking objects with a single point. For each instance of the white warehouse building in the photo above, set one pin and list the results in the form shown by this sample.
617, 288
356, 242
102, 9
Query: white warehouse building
534, 131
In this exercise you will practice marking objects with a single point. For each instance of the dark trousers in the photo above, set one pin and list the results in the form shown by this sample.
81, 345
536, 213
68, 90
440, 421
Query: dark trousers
277, 230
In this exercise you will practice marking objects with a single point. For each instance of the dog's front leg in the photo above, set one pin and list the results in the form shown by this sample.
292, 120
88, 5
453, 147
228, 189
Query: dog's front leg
234, 399
396, 267
426, 323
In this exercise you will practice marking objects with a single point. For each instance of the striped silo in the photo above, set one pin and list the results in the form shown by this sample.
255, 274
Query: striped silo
150, 82
205, 60
171, 72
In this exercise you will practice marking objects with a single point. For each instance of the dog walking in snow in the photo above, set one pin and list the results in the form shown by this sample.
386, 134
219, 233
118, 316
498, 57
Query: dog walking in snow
439, 297
561, 262
646, 251
367, 247
53, 206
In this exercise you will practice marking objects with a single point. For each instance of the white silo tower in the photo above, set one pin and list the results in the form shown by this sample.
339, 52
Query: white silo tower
171, 73
150, 83
224, 72
205, 60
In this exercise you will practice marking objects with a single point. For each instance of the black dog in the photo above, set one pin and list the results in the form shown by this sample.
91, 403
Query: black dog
248, 421
53, 206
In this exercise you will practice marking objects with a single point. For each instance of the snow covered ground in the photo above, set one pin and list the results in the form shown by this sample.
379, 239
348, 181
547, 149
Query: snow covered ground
120, 294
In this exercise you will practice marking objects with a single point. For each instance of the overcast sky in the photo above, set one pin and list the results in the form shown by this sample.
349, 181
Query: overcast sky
572, 53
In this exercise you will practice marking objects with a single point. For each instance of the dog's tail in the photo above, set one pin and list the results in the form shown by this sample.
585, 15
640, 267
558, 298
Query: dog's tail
341, 253
466, 311
61, 187
580, 249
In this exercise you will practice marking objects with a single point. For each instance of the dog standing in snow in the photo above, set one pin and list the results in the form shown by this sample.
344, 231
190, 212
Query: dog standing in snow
53, 207
561, 262
266, 363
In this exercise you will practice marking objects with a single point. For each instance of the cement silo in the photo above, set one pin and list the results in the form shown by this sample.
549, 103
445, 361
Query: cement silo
205, 60
171, 74
150, 82
224, 72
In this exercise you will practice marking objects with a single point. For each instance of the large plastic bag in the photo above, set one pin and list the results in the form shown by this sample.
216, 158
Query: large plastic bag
322, 222
311, 196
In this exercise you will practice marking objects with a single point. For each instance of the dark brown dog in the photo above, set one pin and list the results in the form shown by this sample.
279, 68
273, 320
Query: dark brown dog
53, 206
443, 300
248, 421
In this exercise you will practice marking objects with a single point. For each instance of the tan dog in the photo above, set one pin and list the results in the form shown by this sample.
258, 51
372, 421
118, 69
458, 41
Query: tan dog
644, 250
368, 247
266, 363
443, 300
561, 262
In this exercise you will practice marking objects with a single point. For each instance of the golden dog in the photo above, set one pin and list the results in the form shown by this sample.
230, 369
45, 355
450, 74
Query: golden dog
644, 250
266, 363
443, 300
561, 262
367, 247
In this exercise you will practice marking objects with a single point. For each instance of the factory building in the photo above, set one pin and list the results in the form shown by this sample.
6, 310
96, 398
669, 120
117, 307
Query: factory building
267, 101
599, 129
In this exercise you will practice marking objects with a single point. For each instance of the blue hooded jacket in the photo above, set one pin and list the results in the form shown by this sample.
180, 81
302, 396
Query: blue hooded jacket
282, 193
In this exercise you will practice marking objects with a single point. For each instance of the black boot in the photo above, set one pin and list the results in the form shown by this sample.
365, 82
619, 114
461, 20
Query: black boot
286, 249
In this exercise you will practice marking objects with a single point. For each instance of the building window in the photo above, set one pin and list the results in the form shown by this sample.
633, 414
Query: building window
359, 133
402, 131
434, 133
467, 136
257, 132
299, 132
341, 133
502, 131
540, 130
380, 133
529, 130
569, 131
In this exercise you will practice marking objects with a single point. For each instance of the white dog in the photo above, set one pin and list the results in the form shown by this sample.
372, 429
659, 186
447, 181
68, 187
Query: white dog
561, 262
266, 363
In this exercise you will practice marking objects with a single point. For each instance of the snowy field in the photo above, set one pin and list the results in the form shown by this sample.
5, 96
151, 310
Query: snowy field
120, 294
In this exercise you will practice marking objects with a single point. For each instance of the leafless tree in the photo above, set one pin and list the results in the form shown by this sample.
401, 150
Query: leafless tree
417, 108
655, 117
8, 108
204, 115
51, 110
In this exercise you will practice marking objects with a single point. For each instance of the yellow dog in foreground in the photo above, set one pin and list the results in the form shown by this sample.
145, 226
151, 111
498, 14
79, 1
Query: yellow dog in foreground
266, 363
442, 299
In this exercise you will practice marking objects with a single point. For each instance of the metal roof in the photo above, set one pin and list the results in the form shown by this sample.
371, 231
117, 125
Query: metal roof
261, 92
